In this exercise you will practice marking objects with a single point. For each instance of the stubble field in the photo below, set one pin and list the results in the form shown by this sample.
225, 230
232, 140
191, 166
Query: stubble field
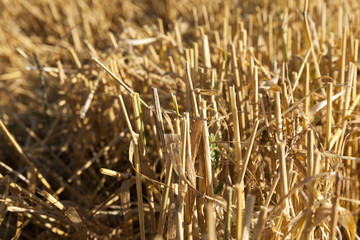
179, 119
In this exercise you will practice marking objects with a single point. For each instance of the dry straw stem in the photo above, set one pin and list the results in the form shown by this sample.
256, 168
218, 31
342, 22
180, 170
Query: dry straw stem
234, 63
157, 137
258, 231
296, 105
52, 200
168, 167
329, 93
343, 60
210, 222
235, 118
113, 173
239, 207
75, 57
26, 193
189, 196
182, 186
240, 181
310, 152
248, 152
270, 39
307, 91
137, 154
208, 167
301, 70
256, 94
17, 174
308, 231
17, 147
137, 166
90, 97
117, 79
179, 217
206, 52
348, 90
228, 214
249, 207
278, 118
139, 125
309, 39
195, 108
335, 208
158, 117
283, 176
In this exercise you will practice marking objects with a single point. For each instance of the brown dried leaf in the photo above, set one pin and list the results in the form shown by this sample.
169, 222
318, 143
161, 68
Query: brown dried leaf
173, 151
84, 221
146, 170
19, 223
131, 152
195, 141
168, 120
346, 219
191, 174
196, 135
73, 215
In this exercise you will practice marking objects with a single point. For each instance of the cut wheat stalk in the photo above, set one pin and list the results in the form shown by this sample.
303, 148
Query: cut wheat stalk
235, 119
258, 231
189, 198
228, 214
310, 152
306, 92
335, 208
139, 125
329, 116
139, 193
249, 207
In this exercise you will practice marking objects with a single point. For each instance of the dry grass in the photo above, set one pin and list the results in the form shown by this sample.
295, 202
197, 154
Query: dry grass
179, 119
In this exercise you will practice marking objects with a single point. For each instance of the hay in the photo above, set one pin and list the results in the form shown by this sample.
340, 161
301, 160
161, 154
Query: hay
179, 119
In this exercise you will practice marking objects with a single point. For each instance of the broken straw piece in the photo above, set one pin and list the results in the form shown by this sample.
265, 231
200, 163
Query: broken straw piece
322, 104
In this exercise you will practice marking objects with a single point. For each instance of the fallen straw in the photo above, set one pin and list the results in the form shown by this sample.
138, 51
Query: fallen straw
117, 79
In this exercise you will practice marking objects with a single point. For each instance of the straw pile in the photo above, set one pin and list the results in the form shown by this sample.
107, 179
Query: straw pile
179, 119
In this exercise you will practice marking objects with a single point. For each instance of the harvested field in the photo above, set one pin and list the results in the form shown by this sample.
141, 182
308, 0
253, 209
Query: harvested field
182, 119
